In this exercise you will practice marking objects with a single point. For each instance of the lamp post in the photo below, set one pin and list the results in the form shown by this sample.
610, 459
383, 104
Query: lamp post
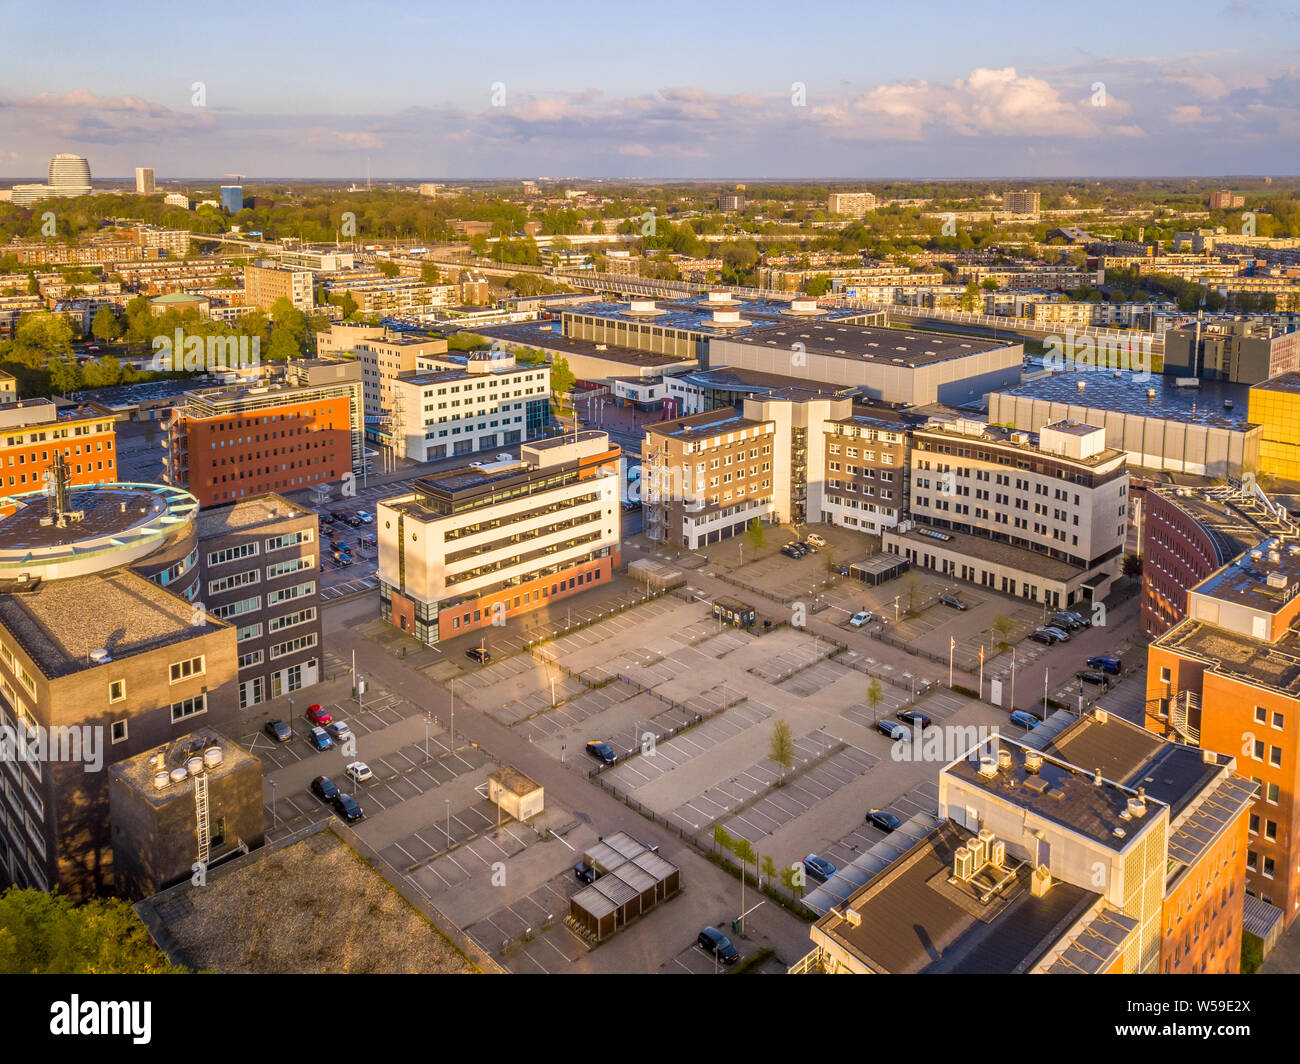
427, 722
447, 803
275, 821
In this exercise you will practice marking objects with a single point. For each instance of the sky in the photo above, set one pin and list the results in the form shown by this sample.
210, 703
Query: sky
703, 90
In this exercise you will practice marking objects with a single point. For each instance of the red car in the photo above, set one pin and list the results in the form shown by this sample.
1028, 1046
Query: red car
318, 716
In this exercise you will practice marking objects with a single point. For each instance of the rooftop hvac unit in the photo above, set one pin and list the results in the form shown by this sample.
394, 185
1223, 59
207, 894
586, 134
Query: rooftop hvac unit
1256, 555
988, 766
986, 837
213, 756
998, 853
160, 780
1137, 807
178, 775
1004, 759
1033, 760
852, 917
977, 853
1081, 385
194, 765
1275, 556
1151, 394
963, 864
1276, 579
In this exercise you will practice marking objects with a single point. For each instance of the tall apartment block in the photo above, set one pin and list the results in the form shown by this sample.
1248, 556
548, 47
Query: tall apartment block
1022, 202
1226, 200
1042, 516
232, 198
731, 201
228, 444
865, 472
144, 181
259, 560
495, 540
490, 403
1091, 847
850, 204
1228, 679
32, 432
265, 282
384, 359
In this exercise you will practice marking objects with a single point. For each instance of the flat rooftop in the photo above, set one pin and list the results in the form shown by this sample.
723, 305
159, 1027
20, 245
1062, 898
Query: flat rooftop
754, 382
1002, 436
1106, 393
989, 550
1275, 666
703, 426
1285, 382
911, 348
1233, 522
1261, 583
248, 513
139, 771
534, 335
103, 517
1060, 792
59, 622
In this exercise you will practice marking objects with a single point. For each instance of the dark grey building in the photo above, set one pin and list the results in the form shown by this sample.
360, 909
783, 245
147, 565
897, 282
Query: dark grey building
1240, 352
260, 562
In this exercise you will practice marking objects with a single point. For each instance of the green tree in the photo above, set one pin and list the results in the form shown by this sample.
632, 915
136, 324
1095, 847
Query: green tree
64, 375
45, 934
562, 378
388, 269
43, 334
781, 748
102, 372
756, 535
105, 327
818, 285
289, 318
430, 274
282, 346
721, 839
874, 694
1002, 626
970, 299
33, 285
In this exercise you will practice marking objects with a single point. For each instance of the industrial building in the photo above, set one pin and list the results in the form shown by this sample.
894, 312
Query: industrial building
1202, 430
1240, 352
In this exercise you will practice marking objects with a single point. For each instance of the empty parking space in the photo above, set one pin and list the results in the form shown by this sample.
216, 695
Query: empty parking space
843, 851
529, 936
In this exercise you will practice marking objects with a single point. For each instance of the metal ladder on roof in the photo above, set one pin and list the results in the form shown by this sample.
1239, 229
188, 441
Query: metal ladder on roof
201, 816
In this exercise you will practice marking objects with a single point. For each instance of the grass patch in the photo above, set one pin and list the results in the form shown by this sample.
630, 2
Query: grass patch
749, 965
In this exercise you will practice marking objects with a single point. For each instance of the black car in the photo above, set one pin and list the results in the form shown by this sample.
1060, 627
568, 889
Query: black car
353, 522
479, 654
346, 807
893, 729
1042, 637
585, 873
810, 548
884, 821
1068, 621
339, 544
1087, 676
790, 552
911, 716
602, 751
952, 600
323, 788
713, 941
278, 730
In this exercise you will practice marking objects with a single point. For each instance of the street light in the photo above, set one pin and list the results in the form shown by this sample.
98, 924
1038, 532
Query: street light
427, 722
275, 821
447, 803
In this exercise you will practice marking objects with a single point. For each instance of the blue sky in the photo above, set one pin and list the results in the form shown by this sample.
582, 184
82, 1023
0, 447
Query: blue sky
922, 89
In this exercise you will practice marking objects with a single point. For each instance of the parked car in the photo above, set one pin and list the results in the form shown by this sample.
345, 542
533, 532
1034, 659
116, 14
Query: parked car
952, 600
320, 739
365, 518
1042, 637
799, 549
1084, 620
790, 552
843, 570
346, 807
1061, 634
810, 548
278, 730
819, 866
894, 730
323, 788
1065, 620
860, 618
353, 521
884, 821
359, 772
342, 560
1024, 719
816, 540
1053, 635
715, 943
601, 751
479, 654
339, 544
1107, 663
911, 716
1088, 676
585, 873
318, 714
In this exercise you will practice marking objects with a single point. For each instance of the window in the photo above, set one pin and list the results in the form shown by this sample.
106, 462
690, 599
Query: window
247, 632
225, 583
280, 569
230, 554
1275, 755
289, 593
183, 670
1278, 721
117, 731
292, 646
290, 620
253, 657
1261, 715
291, 539
189, 707
117, 690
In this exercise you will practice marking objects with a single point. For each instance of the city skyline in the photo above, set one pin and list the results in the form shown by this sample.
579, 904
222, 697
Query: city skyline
1150, 102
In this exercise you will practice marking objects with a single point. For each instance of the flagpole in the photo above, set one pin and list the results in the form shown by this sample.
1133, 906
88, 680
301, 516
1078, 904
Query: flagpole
981, 671
952, 645
1013, 677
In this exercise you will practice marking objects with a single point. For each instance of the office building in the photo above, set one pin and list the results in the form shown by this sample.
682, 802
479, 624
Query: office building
69, 175
1226, 200
318, 261
1240, 352
1187, 533
232, 198
265, 282
487, 542
1090, 847
731, 201
114, 665
144, 181
1227, 678
705, 477
259, 559
865, 475
177, 199
228, 444
32, 432
1274, 406
384, 359
850, 204
1042, 517
491, 402
1022, 202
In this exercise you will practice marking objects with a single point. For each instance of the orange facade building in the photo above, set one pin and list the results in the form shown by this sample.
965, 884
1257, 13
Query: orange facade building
1227, 678
31, 433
